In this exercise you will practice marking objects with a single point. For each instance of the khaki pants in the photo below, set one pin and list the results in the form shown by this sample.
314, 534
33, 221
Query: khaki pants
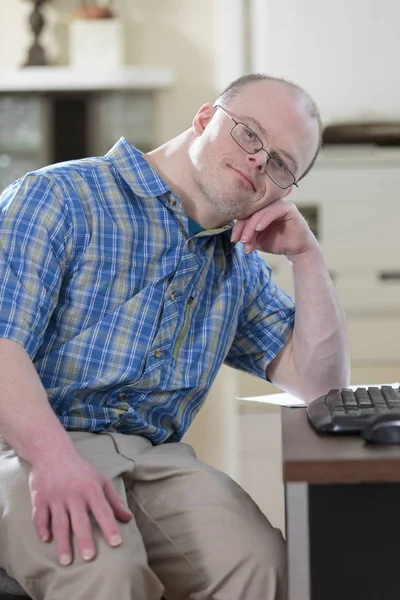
196, 534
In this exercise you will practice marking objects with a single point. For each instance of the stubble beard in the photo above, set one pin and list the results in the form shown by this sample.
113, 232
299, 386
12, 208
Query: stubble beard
229, 206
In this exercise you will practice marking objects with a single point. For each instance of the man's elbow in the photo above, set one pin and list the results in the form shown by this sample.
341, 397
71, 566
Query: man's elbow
319, 383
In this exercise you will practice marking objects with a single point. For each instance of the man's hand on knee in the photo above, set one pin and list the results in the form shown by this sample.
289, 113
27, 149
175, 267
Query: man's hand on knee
63, 495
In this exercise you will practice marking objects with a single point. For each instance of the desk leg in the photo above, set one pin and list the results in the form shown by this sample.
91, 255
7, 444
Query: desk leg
354, 541
297, 533
343, 541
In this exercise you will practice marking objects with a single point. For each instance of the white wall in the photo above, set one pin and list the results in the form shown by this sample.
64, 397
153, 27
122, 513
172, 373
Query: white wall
345, 53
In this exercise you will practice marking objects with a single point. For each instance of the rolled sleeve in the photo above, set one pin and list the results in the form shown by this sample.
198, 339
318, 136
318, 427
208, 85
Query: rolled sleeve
35, 246
265, 324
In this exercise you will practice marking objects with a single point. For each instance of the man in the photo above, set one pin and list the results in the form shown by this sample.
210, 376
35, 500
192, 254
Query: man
124, 289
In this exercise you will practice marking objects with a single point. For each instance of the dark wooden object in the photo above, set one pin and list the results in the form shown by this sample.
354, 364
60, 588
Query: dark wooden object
36, 53
323, 458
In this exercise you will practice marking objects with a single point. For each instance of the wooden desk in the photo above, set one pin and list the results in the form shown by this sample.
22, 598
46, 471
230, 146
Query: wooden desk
342, 514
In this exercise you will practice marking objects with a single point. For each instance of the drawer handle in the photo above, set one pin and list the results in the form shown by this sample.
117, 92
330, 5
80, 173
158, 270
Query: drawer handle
389, 276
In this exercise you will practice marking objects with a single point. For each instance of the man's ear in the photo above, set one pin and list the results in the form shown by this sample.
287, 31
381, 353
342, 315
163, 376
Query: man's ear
202, 118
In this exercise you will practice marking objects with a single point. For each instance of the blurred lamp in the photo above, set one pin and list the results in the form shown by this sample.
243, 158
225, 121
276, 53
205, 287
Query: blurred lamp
36, 54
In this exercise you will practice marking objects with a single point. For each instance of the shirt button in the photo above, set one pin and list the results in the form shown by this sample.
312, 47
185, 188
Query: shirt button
190, 244
158, 353
121, 396
172, 201
190, 300
173, 295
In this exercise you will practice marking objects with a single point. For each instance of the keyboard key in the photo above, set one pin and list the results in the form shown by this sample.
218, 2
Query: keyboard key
377, 397
338, 411
334, 399
391, 395
370, 412
354, 413
363, 398
349, 399
374, 392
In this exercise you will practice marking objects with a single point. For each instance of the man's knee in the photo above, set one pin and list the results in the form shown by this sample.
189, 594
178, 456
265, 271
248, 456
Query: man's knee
119, 572
115, 572
270, 559
259, 567
257, 547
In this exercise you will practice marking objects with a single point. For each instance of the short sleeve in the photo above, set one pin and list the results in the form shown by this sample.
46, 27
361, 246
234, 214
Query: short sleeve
265, 324
36, 235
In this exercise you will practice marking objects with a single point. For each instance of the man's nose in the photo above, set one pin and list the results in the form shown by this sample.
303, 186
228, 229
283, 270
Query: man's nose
259, 160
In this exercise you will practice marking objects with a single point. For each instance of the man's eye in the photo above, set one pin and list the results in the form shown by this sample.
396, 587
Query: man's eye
280, 166
250, 134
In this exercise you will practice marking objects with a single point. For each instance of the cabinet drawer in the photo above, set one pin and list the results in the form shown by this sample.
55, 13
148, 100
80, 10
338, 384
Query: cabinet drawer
365, 293
370, 223
372, 373
372, 307
351, 184
374, 338
363, 260
361, 286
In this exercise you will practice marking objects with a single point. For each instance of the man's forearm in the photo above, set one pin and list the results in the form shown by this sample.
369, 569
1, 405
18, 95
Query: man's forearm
27, 421
320, 343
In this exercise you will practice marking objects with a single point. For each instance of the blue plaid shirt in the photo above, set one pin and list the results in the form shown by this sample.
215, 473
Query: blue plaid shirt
128, 318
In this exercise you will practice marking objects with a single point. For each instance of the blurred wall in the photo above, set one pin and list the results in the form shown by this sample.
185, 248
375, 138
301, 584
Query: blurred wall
345, 53
173, 33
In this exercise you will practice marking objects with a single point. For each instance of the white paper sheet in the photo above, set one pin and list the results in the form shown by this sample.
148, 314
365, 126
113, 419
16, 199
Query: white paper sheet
280, 399
284, 399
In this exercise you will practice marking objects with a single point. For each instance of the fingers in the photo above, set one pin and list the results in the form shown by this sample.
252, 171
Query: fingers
82, 528
41, 517
250, 228
237, 230
246, 230
105, 504
61, 529
249, 234
104, 515
117, 504
70, 516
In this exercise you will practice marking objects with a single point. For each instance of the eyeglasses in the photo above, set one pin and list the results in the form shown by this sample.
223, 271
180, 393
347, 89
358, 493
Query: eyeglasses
275, 168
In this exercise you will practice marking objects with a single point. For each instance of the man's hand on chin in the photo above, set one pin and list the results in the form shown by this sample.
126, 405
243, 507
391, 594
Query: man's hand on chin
278, 228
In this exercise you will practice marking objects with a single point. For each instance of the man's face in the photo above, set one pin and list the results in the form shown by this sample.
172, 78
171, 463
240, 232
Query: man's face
233, 182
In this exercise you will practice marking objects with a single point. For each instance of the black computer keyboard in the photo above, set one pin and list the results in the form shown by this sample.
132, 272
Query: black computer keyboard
348, 411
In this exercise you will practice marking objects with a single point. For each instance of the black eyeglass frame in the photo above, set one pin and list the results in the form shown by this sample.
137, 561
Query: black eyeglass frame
294, 182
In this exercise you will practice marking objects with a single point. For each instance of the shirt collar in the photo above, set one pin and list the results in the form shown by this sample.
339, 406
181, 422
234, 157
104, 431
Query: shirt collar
145, 182
136, 171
